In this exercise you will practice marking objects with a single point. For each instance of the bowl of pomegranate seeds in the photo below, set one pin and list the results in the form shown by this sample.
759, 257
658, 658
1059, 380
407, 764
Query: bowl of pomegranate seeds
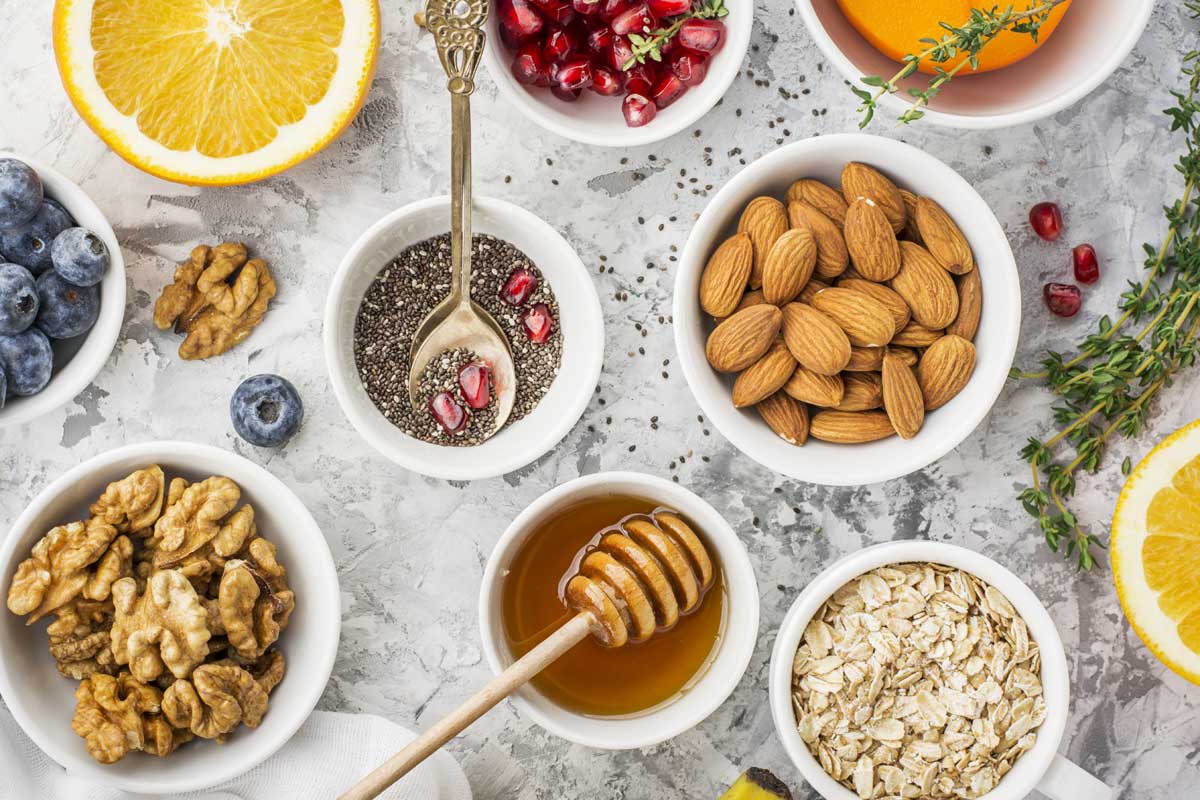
616, 72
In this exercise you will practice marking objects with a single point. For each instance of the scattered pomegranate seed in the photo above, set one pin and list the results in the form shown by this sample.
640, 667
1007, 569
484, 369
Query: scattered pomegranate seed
1046, 220
520, 19
1062, 298
689, 67
566, 95
638, 110
611, 8
705, 35
636, 20
667, 90
586, 7
574, 73
601, 40
558, 45
475, 383
669, 8
640, 79
529, 67
521, 283
621, 52
1087, 266
538, 323
448, 413
606, 82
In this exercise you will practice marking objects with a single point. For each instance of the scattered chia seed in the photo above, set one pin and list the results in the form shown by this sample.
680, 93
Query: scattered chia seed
410, 287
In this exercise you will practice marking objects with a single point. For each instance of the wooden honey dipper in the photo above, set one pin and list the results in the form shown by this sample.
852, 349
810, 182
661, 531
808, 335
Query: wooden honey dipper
634, 581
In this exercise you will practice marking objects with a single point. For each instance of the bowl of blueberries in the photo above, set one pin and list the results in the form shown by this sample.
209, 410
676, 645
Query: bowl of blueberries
62, 289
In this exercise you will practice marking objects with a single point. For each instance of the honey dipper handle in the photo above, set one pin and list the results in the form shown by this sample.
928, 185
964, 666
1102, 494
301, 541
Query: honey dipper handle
500, 687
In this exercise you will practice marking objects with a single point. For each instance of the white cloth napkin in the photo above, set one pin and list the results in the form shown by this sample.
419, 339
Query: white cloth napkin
326, 756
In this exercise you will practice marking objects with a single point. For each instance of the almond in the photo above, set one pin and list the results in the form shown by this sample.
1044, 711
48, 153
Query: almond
742, 339
902, 397
866, 321
945, 369
815, 340
811, 387
863, 392
786, 417
860, 180
788, 267
764, 220
907, 355
832, 256
810, 290
970, 306
894, 303
865, 359
926, 287
824, 198
723, 281
942, 237
916, 335
910, 232
764, 377
850, 427
871, 242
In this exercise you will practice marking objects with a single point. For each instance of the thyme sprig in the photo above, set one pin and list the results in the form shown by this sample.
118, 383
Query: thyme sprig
650, 46
1108, 386
970, 38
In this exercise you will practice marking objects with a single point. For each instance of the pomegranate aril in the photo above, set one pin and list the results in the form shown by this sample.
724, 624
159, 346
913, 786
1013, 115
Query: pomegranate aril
1046, 220
529, 67
1087, 266
566, 95
689, 67
559, 11
669, 8
667, 90
475, 384
638, 110
611, 8
521, 283
705, 35
606, 82
448, 413
1062, 298
640, 79
559, 44
636, 20
620, 53
574, 73
586, 7
601, 40
538, 323
520, 19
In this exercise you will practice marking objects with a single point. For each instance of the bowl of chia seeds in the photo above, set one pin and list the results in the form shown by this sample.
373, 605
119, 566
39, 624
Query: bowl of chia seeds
531, 281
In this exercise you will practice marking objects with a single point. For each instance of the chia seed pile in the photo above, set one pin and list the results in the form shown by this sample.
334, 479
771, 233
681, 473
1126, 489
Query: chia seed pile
441, 375
409, 288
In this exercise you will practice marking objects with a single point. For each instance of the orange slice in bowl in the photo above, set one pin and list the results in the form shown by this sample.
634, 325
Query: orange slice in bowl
216, 91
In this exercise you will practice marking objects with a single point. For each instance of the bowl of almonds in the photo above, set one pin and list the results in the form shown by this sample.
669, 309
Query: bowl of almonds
847, 310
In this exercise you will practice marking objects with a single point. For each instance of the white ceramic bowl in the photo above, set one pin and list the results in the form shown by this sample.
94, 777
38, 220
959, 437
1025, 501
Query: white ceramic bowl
996, 342
1093, 39
582, 326
43, 702
597, 120
726, 666
76, 361
1040, 767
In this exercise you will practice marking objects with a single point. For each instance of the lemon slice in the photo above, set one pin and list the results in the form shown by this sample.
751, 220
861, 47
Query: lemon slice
216, 91
1156, 551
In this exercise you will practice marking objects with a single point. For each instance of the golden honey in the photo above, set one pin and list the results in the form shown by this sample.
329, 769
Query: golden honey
592, 679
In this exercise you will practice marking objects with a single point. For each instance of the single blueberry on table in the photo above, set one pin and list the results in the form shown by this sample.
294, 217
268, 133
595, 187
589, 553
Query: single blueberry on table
79, 256
67, 310
28, 360
29, 244
18, 299
20, 192
266, 410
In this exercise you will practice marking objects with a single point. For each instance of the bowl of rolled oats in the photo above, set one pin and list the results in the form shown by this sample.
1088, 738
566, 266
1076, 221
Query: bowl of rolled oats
921, 669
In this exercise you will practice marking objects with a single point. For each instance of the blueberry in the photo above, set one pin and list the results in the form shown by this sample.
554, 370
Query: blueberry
18, 299
20, 192
29, 244
266, 410
28, 360
80, 256
67, 310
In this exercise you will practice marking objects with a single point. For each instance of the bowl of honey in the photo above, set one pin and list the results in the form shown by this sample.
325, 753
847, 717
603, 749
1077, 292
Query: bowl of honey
679, 665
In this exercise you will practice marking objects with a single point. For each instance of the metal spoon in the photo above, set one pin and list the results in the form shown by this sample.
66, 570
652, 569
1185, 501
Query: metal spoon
458, 322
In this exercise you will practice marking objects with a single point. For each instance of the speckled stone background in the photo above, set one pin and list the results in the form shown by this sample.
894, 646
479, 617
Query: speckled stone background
410, 550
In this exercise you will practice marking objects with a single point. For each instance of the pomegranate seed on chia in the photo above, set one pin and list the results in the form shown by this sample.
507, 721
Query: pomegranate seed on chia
667, 90
559, 44
705, 35
611, 8
669, 8
539, 323
574, 73
601, 40
636, 20
640, 79
1087, 266
620, 52
448, 413
689, 67
519, 286
1046, 220
566, 95
638, 110
586, 7
607, 82
1062, 298
475, 383
520, 19
529, 67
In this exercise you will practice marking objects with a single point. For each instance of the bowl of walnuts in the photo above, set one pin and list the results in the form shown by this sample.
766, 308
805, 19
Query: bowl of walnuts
172, 617
847, 309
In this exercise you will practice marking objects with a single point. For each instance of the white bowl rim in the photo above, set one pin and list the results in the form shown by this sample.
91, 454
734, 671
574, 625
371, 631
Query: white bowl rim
66, 384
735, 560
685, 304
552, 434
895, 102
1055, 671
517, 94
321, 557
